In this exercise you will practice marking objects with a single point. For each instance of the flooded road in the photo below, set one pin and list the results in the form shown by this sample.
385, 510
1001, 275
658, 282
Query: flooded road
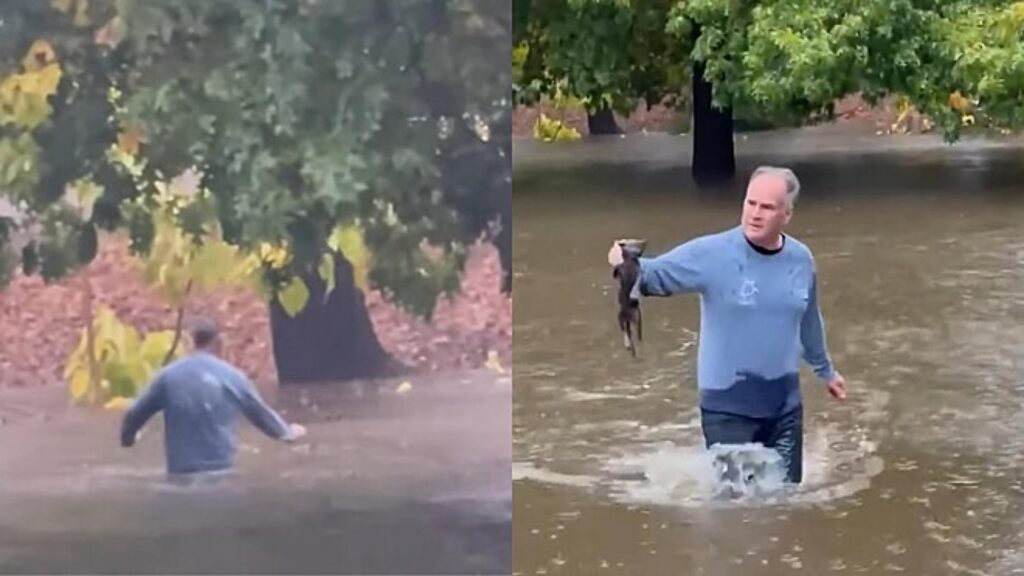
387, 483
920, 251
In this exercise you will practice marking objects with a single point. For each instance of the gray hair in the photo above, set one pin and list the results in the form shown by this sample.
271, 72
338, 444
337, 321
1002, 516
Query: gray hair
786, 175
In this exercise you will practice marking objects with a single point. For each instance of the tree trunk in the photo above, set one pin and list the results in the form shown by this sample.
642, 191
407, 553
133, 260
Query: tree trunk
329, 341
602, 123
714, 158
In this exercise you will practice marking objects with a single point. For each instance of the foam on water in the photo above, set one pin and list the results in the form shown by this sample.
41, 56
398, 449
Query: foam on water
689, 476
667, 464
528, 471
686, 476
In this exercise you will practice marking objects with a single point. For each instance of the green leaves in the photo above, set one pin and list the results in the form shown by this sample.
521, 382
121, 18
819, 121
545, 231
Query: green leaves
602, 52
984, 47
176, 262
18, 166
299, 118
336, 172
778, 62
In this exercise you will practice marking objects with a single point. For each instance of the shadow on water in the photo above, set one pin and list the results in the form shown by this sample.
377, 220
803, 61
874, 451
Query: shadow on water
396, 483
921, 265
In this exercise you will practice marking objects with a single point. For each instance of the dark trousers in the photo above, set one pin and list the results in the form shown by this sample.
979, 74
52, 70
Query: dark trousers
784, 434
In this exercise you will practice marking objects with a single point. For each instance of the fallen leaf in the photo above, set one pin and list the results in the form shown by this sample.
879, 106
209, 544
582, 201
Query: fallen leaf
118, 403
493, 363
40, 324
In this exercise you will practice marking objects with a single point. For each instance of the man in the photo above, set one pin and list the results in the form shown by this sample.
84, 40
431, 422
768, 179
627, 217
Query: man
200, 396
759, 307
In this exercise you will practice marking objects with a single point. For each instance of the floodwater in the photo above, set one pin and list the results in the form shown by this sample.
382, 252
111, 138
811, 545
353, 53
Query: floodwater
920, 250
386, 483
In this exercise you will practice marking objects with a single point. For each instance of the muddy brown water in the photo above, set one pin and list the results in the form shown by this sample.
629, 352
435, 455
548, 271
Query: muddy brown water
920, 249
386, 483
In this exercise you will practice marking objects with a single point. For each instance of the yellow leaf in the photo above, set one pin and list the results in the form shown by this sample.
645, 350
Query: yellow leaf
349, 241
327, 273
162, 191
156, 345
23, 97
40, 55
79, 383
42, 82
131, 344
136, 372
493, 363
214, 264
277, 257
126, 362
161, 273
294, 297
958, 102
551, 130
128, 141
404, 388
118, 403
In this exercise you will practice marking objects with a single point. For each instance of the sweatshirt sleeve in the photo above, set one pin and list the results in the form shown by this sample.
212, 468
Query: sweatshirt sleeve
677, 271
145, 407
256, 410
812, 336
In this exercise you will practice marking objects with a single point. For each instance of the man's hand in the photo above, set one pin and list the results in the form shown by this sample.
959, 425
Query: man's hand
615, 254
837, 387
295, 431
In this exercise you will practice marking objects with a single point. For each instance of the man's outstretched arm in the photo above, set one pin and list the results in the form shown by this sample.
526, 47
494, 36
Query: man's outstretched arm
259, 413
678, 271
148, 403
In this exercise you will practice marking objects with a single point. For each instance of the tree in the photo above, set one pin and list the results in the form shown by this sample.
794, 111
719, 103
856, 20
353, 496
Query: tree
783, 62
786, 63
606, 53
302, 119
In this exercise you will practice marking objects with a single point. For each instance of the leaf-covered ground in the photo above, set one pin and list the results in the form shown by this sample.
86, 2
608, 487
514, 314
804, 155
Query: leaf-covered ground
661, 119
40, 324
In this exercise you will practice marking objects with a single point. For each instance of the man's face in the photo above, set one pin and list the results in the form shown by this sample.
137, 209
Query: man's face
766, 211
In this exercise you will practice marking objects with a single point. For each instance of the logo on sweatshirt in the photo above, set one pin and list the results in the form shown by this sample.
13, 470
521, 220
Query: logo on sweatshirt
747, 292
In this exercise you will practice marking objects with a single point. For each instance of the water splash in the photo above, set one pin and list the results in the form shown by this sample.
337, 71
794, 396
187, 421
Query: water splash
838, 462
675, 476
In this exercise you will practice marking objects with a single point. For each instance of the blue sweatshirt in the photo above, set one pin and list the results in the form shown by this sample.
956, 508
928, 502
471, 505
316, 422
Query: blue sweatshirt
759, 314
200, 396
